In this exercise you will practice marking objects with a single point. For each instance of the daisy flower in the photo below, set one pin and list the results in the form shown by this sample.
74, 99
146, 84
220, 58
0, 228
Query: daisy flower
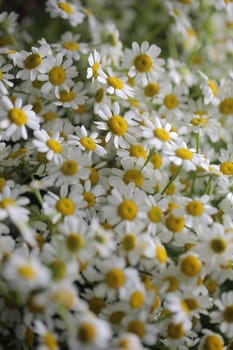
211, 339
32, 63
125, 208
65, 10
118, 127
94, 61
5, 77
224, 315
89, 333
51, 145
59, 76
88, 143
143, 63
157, 132
115, 85
72, 97
48, 340
214, 247
15, 118
181, 155
209, 89
70, 46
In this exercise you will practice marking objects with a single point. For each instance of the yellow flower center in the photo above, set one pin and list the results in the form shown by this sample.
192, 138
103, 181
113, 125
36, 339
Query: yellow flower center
129, 242
127, 210
156, 160
70, 45
89, 198
64, 298
133, 175
99, 96
190, 266
94, 176
66, 96
74, 242
27, 272
1, 75
57, 75
226, 106
143, 63
151, 89
228, 314
54, 145
137, 151
175, 330
17, 116
161, 254
65, 206
136, 299
50, 341
175, 223
69, 167
95, 69
64, 6
115, 278
218, 245
117, 125
86, 333
96, 305
58, 269
116, 317
212, 87
170, 101
227, 168
191, 303
184, 153
49, 116
115, 82
173, 283
195, 208
199, 121
161, 134
155, 214
137, 327
213, 342
7, 202
32, 61
88, 143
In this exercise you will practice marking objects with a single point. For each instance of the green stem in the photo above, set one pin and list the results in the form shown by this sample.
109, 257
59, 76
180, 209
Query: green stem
172, 179
197, 142
208, 185
152, 151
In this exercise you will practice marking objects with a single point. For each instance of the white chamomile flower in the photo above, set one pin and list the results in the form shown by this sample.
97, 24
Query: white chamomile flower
88, 143
48, 340
32, 63
70, 46
115, 85
15, 118
211, 339
118, 127
49, 144
209, 89
89, 333
5, 76
143, 63
65, 10
59, 75
224, 315
94, 61
72, 97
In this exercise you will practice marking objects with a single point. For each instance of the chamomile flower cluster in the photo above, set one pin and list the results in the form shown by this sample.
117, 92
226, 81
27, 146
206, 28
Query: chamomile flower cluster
116, 181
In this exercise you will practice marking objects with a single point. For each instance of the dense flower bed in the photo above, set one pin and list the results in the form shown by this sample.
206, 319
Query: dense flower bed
116, 176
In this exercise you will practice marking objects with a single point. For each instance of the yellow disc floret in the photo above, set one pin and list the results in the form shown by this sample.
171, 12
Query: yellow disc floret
69, 167
57, 75
226, 106
27, 272
117, 125
66, 96
151, 89
175, 330
170, 101
127, 210
129, 242
89, 198
54, 145
74, 242
213, 342
115, 82
226, 168
70, 45
64, 6
136, 299
32, 61
137, 151
86, 333
115, 278
161, 134
190, 266
137, 327
88, 143
143, 63
17, 116
155, 214
195, 208
218, 245
65, 206
133, 175
184, 153
50, 341
175, 223
228, 314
